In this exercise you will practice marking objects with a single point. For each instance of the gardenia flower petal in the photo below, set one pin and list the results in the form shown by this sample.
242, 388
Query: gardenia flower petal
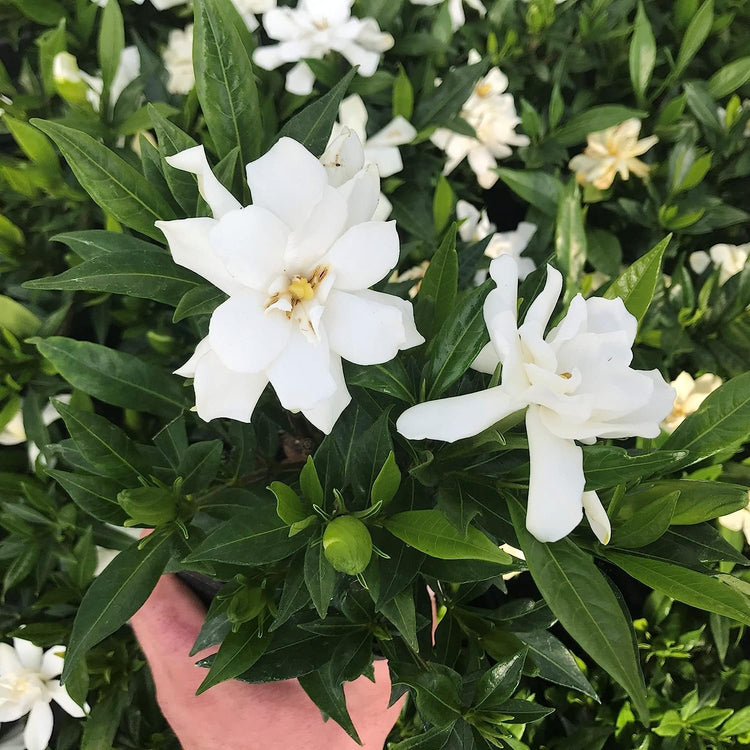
412, 336
178, 60
244, 336
364, 254
52, 662
9, 661
287, 180
458, 417
28, 654
193, 160
39, 725
325, 413
190, 244
60, 695
556, 482
300, 79
597, 517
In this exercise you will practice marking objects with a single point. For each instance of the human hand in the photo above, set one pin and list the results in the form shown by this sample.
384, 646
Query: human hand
235, 715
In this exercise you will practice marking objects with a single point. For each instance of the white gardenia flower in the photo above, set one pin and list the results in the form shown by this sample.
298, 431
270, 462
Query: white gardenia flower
14, 432
477, 226
610, 152
689, 395
456, 9
297, 266
739, 520
492, 113
28, 682
314, 28
575, 383
730, 259
178, 60
380, 149
249, 8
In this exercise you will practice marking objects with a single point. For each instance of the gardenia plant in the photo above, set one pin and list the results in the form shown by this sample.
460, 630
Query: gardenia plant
575, 383
297, 266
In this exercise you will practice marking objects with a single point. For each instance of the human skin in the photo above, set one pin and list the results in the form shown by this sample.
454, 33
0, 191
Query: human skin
234, 715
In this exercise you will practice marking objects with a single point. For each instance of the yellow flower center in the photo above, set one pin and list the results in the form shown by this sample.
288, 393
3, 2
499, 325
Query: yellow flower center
301, 289
566, 375
483, 89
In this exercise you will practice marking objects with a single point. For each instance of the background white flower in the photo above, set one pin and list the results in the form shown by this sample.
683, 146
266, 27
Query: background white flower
249, 8
14, 432
738, 521
610, 152
477, 226
314, 28
492, 113
730, 259
158, 4
28, 682
456, 9
689, 395
576, 382
297, 266
380, 149
178, 60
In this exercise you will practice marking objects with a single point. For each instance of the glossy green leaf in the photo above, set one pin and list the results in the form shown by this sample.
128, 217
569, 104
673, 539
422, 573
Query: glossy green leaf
114, 377
570, 238
387, 482
437, 294
647, 524
116, 595
111, 45
320, 578
112, 183
33, 143
695, 35
446, 100
637, 283
401, 612
607, 465
499, 683
438, 692
20, 321
200, 300
329, 697
94, 243
225, 83
540, 189
96, 496
642, 55
728, 79
430, 532
390, 378
288, 505
199, 465
580, 597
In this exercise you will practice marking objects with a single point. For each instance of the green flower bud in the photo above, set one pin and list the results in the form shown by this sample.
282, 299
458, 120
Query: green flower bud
246, 604
347, 545
150, 506
67, 76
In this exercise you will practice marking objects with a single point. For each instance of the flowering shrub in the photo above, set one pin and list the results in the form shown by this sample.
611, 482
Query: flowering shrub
491, 259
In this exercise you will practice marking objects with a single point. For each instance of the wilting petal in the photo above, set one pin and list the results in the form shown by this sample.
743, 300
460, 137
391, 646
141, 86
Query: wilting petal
9, 661
52, 662
190, 244
251, 243
458, 417
364, 254
193, 160
59, 694
556, 482
38, 726
287, 180
362, 330
245, 336
301, 375
221, 392
413, 336
28, 654
325, 413
597, 517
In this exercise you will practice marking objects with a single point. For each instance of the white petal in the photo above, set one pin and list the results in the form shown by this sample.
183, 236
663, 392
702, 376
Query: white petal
251, 243
541, 309
52, 662
364, 254
9, 661
556, 482
59, 694
38, 729
221, 392
413, 336
458, 417
597, 517
398, 132
325, 413
362, 195
190, 244
28, 654
483, 164
188, 369
193, 160
487, 360
301, 375
386, 158
353, 115
14, 710
362, 330
344, 156
246, 337
287, 180
300, 79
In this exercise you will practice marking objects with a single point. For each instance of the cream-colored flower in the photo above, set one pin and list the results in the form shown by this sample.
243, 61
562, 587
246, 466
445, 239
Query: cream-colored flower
513, 552
415, 273
730, 259
178, 60
739, 520
690, 394
610, 152
491, 111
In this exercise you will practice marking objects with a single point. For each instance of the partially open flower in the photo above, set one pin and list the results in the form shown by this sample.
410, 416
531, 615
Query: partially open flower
313, 29
297, 266
730, 259
492, 113
689, 395
28, 682
575, 383
610, 152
